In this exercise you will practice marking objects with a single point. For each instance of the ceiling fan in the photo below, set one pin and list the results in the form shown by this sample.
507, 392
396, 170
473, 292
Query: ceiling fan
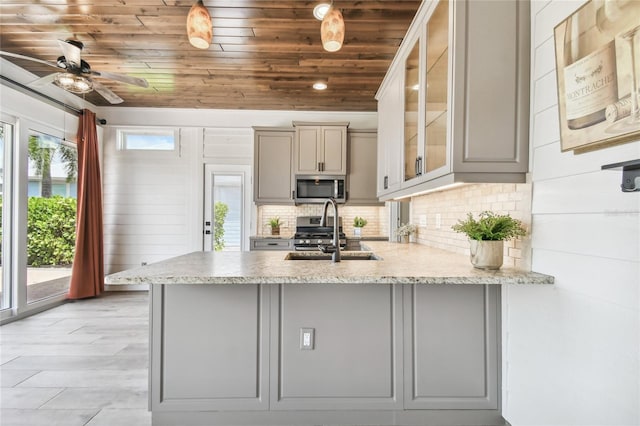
76, 75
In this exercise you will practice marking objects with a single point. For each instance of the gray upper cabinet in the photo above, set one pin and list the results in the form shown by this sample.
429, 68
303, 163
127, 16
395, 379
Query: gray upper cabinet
320, 148
362, 168
273, 152
390, 113
465, 106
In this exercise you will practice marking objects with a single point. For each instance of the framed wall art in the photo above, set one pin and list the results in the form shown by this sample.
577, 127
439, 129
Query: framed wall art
598, 73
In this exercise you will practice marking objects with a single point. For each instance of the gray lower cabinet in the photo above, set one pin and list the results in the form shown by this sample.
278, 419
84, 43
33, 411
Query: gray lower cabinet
451, 347
354, 364
381, 354
270, 244
212, 345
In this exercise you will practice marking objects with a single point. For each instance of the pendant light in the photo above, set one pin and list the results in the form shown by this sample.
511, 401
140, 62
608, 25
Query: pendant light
332, 30
199, 28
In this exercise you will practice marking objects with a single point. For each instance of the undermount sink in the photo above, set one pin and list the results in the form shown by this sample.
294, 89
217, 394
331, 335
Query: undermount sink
314, 255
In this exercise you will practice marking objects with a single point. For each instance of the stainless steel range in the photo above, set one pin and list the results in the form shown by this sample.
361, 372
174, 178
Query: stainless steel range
309, 234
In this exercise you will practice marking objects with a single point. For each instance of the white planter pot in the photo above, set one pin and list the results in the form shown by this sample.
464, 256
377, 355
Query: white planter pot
486, 254
357, 232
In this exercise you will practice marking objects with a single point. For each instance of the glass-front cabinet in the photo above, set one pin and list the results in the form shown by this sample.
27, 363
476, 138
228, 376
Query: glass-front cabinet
464, 69
436, 114
411, 106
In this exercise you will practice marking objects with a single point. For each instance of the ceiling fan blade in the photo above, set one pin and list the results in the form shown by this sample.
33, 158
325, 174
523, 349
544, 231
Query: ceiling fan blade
43, 81
71, 53
28, 58
121, 78
107, 93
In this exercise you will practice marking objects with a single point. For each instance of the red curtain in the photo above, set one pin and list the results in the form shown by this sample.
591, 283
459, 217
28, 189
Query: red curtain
87, 274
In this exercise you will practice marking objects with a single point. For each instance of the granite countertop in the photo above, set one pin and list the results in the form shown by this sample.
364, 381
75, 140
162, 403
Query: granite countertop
398, 264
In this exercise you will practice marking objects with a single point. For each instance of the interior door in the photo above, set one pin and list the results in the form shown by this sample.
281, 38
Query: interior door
227, 207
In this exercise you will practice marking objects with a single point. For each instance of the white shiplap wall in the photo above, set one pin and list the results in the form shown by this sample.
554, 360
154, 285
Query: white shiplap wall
153, 203
146, 204
572, 351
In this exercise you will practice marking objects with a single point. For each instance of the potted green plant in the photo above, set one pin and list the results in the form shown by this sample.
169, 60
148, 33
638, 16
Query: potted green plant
487, 236
275, 223
358, 224
405, 231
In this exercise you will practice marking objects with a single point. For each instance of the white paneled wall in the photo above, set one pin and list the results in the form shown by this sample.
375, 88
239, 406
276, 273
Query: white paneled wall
146, 204
572, 351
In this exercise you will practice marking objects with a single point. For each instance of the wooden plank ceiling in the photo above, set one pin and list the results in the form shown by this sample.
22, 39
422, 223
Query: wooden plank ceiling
264, 55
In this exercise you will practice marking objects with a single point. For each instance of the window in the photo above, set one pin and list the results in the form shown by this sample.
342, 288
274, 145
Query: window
147, 140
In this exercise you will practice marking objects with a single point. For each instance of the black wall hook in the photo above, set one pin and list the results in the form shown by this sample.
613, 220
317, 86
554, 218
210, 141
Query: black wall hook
630, 174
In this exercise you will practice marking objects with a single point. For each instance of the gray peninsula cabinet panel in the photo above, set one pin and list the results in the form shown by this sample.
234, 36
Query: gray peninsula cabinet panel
214, 345
451, 347
388, 354
355, 359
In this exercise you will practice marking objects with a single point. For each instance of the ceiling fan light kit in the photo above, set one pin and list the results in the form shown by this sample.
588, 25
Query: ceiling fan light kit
74, 74
199, 28
73, 83
332, 30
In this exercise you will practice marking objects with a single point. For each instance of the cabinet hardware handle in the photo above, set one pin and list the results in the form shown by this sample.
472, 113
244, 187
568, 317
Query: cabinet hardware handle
386, 182
272, 244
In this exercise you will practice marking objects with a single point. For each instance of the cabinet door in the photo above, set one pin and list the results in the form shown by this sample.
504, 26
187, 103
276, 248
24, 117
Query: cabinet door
362, 169
191, 370
333, 150
451, 346
355, 358
272, 163
271, 244
437, 82
411, 108
390, 124
307, 150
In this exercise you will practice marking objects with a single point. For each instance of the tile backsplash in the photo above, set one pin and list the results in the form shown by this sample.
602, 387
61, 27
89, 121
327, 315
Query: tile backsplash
452, 205
377, 218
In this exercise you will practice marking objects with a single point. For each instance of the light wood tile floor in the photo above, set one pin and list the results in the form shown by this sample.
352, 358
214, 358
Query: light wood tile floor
82, 363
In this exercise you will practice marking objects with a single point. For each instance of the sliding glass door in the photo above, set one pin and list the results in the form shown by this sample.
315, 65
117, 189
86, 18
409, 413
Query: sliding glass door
51, 215
6, 138
38, 191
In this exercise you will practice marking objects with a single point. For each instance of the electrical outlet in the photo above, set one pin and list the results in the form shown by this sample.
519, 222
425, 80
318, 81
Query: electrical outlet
307, 339
438, 221
422, 220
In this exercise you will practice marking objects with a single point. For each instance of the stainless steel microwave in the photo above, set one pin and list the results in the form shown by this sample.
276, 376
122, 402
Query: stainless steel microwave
314, 189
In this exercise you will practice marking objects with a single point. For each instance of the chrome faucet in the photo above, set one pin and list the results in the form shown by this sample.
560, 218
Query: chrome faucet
335, 247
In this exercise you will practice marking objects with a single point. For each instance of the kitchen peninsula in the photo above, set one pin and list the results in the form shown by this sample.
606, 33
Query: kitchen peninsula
251, 338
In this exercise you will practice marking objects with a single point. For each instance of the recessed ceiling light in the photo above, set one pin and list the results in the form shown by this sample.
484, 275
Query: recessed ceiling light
320, 85
320, 10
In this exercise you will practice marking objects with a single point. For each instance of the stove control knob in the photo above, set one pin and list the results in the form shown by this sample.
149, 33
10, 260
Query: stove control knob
308, 241
319, 241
